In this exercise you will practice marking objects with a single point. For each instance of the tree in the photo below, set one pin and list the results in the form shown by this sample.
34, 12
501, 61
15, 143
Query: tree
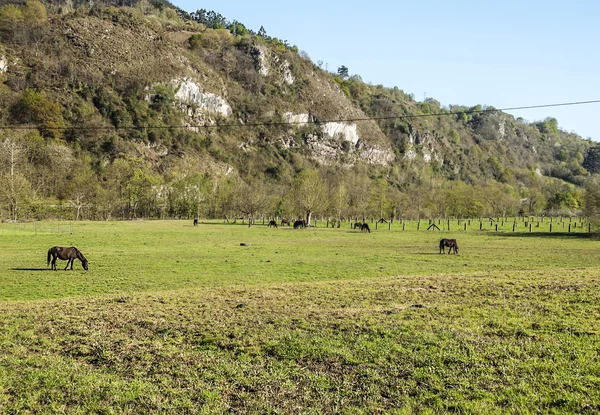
14, 187
591, 201
343, 71
592, 160
251, 199
308, 193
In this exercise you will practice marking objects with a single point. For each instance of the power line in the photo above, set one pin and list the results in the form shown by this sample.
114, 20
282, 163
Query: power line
283, 123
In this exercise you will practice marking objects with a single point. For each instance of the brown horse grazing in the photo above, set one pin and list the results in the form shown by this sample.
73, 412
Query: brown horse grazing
273, 224
299, 224
66, 254
285, 222
365, 228
450, 243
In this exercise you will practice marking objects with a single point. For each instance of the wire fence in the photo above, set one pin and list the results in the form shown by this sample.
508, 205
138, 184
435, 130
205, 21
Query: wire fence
57, 227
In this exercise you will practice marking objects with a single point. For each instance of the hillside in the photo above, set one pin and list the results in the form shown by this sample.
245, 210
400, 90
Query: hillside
144, 103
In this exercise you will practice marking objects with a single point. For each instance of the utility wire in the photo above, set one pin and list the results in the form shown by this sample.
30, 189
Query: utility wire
282, 123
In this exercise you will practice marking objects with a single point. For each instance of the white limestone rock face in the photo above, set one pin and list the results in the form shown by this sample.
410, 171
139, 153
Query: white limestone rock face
337, 142
267, 63
286, 73
3, 64
190, 95
261, 60
339, 129
300, 119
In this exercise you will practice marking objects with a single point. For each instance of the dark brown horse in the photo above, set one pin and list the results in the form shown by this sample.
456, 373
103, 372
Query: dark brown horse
365, 228
299, 224
66, 254
358, 225
273, 224
285, 221
450, 243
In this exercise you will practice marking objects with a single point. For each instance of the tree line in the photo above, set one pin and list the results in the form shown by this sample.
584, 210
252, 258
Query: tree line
41, 180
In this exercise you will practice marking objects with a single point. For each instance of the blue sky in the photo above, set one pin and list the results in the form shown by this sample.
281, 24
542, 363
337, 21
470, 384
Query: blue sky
504, 54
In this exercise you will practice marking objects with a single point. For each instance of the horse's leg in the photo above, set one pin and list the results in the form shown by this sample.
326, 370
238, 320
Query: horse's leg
53, 262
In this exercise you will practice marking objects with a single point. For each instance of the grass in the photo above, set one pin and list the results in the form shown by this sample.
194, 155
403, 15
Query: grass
309, 321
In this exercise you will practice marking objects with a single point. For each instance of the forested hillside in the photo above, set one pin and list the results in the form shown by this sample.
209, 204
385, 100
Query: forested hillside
143, 110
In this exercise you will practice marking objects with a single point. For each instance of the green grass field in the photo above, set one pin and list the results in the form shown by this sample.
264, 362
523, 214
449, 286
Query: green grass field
172, 318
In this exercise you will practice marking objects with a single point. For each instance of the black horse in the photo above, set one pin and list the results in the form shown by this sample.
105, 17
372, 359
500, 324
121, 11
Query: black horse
273, 224
196, 222
299, 224
358, 225
365, 228
66, 254
450, 243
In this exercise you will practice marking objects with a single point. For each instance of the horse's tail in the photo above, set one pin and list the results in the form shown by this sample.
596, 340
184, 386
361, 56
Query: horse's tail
49, 256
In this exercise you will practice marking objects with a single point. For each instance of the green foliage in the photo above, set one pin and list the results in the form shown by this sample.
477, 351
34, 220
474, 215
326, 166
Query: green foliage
36, 108
548, 126
592, 160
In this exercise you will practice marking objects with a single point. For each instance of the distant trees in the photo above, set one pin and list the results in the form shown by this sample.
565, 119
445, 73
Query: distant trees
592, 160
343, 71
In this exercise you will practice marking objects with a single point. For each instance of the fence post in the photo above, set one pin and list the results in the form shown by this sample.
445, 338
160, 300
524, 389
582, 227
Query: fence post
480, 225
403, 225
569, 228
419, 224
496, 227
376, 225
530, 226
514, 224
550, 227
465, 226
390, 225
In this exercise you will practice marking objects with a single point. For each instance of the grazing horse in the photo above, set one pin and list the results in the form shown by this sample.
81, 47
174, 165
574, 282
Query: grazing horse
272, 223
66, 254
285, 222
450, 243
196, 222
365, 228
299, 224
358, 225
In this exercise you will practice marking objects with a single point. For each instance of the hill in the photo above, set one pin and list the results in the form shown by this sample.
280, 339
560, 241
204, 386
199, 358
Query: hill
161, 113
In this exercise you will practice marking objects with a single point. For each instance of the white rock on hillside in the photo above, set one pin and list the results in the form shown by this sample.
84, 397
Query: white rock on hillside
347, 131
3, 64
190, 93
292, 118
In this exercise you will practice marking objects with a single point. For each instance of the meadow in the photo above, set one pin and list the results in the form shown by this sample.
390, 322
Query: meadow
172, 318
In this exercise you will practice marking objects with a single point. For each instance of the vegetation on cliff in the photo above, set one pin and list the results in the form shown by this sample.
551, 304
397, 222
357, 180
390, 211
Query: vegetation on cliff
144, 110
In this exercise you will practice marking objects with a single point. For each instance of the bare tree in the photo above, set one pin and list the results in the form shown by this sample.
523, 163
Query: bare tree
308, 192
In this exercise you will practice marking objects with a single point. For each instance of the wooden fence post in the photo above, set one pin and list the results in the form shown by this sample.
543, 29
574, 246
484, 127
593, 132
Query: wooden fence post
530, 226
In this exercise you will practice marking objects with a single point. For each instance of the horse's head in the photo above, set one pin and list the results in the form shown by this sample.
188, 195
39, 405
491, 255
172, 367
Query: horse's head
84, 263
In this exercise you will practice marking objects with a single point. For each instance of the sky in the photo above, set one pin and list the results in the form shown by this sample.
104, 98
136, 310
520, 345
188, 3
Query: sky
504, 54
